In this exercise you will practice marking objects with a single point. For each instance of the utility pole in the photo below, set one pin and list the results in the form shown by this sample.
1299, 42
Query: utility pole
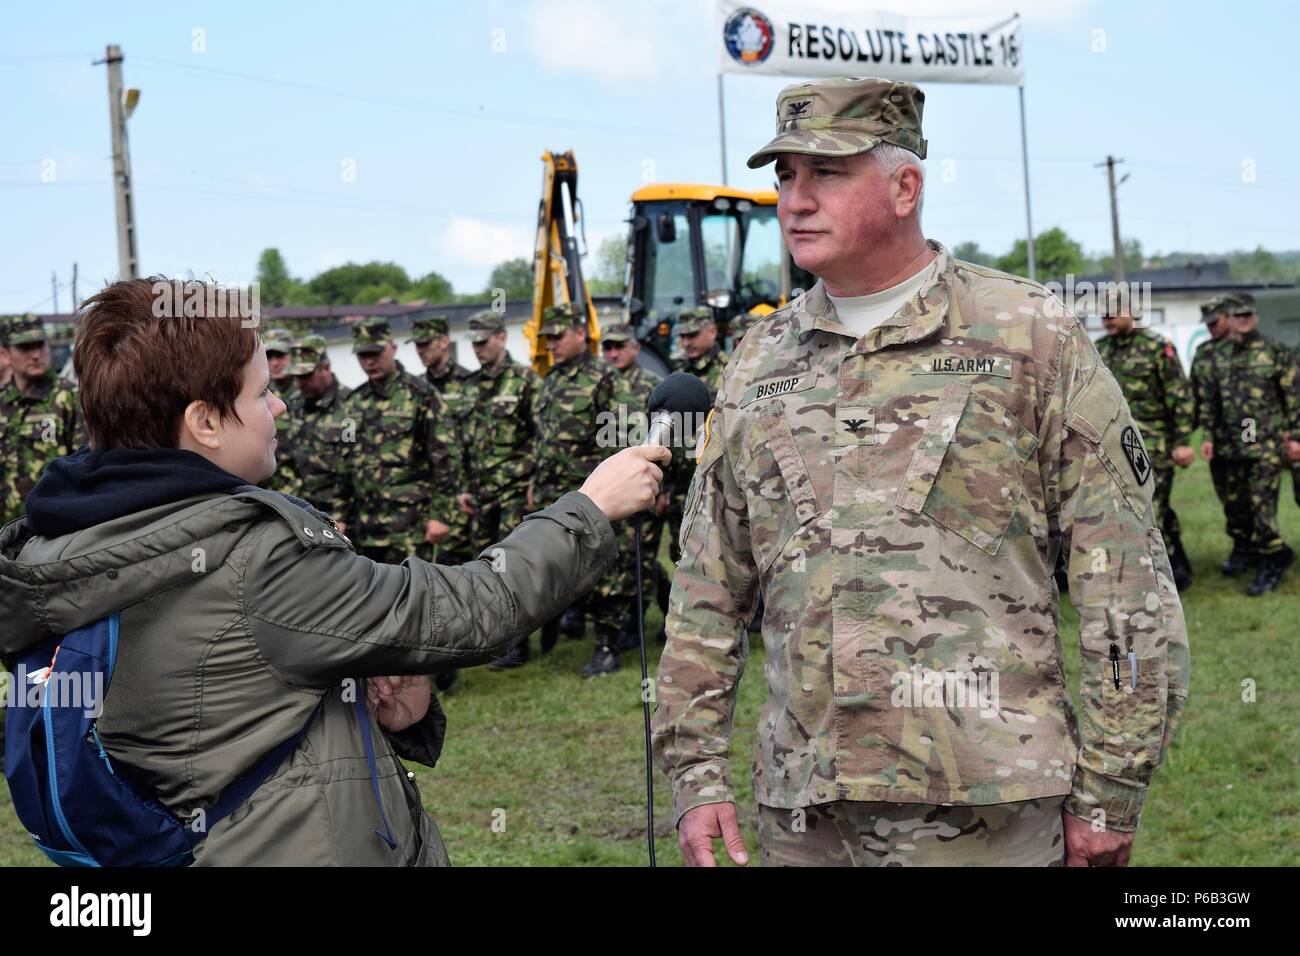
54, 289
1110, 165
75, 300
120, 106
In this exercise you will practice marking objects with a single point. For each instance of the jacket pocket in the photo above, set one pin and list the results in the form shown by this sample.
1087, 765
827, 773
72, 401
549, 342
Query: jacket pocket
780, 492
968, 469
1133, 718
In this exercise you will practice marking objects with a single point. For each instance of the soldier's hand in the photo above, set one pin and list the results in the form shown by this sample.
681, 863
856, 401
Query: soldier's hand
531, 506
398, 702
701, 826
435, 531
466, 502
1183, 456
1086, 847
661, 504
1292, 449
342, 526
627, 482
1207, 450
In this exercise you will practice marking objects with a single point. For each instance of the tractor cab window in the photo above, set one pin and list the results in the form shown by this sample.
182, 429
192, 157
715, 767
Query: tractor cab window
669, 282
720, 234
760, 267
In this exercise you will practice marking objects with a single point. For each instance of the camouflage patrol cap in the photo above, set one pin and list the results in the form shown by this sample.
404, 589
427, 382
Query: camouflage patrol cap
617, 332
557, 318
422, 330
845, 116
483, 325
694, 320
308, 352
371, 335
1213, 306
25, 330
1243, 304
278, 340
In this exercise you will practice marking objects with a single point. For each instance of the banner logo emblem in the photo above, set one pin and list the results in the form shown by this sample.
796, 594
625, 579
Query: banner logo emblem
749, 36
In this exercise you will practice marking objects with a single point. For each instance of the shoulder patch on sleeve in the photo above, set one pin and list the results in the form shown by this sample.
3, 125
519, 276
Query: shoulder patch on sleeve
1100, 415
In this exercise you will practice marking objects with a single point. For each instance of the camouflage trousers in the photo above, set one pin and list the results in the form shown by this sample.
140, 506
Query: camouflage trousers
1166, 518
652, 530
858, 833
1248, 489
493, 522
1295, 481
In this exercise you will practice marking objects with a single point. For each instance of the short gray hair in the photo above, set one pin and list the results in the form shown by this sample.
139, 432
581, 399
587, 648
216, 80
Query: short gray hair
890, 158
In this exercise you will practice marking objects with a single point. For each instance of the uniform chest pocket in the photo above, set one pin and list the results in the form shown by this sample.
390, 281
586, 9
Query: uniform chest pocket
968, 469
779, 491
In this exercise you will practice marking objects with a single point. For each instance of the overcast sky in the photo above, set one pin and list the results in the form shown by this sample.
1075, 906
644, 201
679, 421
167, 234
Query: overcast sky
248, 141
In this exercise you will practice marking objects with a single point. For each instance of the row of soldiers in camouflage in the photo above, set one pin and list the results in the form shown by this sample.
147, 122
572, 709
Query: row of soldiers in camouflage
1242, 390
444, 465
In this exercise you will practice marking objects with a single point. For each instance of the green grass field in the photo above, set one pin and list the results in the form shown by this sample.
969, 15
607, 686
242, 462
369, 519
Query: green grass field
544, 768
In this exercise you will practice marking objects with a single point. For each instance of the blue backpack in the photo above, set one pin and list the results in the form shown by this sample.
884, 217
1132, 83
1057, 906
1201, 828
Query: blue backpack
80, 809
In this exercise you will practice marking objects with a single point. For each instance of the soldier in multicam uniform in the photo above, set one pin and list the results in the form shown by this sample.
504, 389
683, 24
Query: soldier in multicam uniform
620, 348
1249, 406
432, 339
1160, 400
894, 460
315, 413
576, 395
397, 478
39, 415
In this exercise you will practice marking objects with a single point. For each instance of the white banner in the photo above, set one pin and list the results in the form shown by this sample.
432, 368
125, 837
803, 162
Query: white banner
803, 39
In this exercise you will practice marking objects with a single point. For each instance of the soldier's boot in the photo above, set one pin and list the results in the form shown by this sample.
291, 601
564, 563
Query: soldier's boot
1179, 565
517, 656
573, 625
1242, 559
443, 680
550, 635
605, 658
1271, 571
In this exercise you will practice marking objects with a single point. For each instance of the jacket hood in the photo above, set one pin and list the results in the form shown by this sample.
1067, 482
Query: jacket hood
108, 528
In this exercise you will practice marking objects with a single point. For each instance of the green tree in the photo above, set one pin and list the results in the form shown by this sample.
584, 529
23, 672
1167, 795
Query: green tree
346, 284
515, 277
611, 257
1133, 259
432, 287
1055, 255
971, 252
277, 286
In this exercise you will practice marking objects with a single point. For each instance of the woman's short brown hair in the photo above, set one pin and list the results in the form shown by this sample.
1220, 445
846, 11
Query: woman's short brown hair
146, 348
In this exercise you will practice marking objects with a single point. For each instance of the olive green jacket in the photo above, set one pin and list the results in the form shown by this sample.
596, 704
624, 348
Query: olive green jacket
240, 612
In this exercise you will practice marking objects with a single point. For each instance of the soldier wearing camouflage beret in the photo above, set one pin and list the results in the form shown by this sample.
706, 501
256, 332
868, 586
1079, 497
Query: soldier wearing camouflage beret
893, 462
1250, 410
620, 349
1160, 400
577, 393
397, 477
39, 414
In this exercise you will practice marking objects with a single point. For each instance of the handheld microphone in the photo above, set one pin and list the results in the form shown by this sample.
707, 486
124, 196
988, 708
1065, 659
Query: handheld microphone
679, 395
676, 397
